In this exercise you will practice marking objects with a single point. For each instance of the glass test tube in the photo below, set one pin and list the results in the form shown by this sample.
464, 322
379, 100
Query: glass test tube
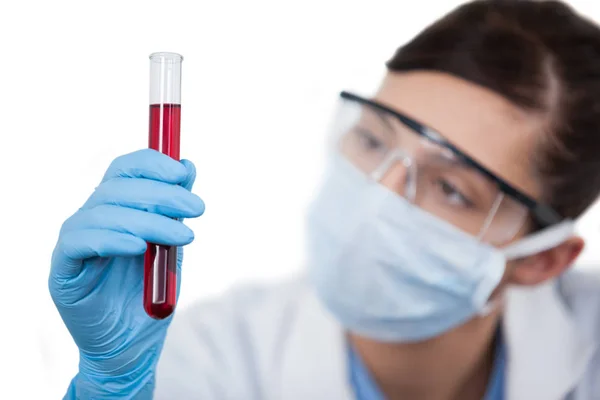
160, 262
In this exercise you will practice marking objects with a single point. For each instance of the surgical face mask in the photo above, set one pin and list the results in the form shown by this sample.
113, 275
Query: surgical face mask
391, 271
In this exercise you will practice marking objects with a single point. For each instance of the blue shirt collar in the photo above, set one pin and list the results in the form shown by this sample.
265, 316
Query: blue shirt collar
365, 387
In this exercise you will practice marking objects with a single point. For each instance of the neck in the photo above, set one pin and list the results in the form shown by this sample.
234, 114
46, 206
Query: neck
456, 365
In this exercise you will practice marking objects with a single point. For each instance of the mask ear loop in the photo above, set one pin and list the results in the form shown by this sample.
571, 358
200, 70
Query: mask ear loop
545, 239
540, 241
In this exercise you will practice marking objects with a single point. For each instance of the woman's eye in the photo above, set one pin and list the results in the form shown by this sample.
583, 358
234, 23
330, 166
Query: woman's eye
368, 140
454, 196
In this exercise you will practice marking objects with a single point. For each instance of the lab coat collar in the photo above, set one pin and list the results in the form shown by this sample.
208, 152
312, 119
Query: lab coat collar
546, 353
315, 358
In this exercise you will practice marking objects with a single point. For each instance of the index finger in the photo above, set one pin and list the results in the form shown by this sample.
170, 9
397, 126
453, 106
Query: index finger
148, 164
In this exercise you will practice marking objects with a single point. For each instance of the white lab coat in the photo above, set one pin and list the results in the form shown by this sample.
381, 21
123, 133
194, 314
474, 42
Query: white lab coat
279, 343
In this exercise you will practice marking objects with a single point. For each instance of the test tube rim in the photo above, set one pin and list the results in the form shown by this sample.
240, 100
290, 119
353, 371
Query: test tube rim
165, 56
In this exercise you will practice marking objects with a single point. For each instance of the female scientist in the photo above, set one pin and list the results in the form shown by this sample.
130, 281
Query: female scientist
439, 244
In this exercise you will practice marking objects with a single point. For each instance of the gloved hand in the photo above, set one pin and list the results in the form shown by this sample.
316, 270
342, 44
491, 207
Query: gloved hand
96, 278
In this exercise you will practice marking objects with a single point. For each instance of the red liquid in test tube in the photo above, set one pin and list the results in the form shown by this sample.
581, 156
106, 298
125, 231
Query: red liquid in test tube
160, 261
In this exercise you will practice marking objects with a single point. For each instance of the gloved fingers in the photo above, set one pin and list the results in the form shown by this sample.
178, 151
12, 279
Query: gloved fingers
148, 164
188, 182
75, 246
147, 195
150, 227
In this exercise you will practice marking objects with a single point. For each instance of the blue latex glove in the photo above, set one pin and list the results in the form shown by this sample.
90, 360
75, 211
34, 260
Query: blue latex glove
96, 279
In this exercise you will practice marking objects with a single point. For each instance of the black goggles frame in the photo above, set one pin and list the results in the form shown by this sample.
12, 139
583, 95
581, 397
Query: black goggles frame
543, 214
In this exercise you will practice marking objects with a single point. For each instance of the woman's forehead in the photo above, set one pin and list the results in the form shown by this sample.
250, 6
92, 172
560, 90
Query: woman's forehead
481, 123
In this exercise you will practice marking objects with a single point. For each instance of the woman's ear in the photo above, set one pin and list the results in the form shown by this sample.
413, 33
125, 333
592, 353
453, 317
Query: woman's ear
546, 265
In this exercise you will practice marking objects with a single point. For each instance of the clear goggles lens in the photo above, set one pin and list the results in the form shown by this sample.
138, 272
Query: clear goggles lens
420, 168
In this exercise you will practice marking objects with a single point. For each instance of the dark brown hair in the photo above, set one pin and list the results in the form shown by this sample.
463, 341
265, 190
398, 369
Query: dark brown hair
541, 56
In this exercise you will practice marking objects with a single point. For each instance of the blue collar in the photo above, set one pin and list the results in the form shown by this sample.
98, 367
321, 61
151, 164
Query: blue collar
365, 387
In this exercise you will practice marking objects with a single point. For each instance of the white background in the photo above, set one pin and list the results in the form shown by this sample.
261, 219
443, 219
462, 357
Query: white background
259, 81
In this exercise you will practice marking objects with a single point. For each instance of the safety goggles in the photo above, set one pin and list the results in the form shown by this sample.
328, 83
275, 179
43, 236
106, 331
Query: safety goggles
435, 175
